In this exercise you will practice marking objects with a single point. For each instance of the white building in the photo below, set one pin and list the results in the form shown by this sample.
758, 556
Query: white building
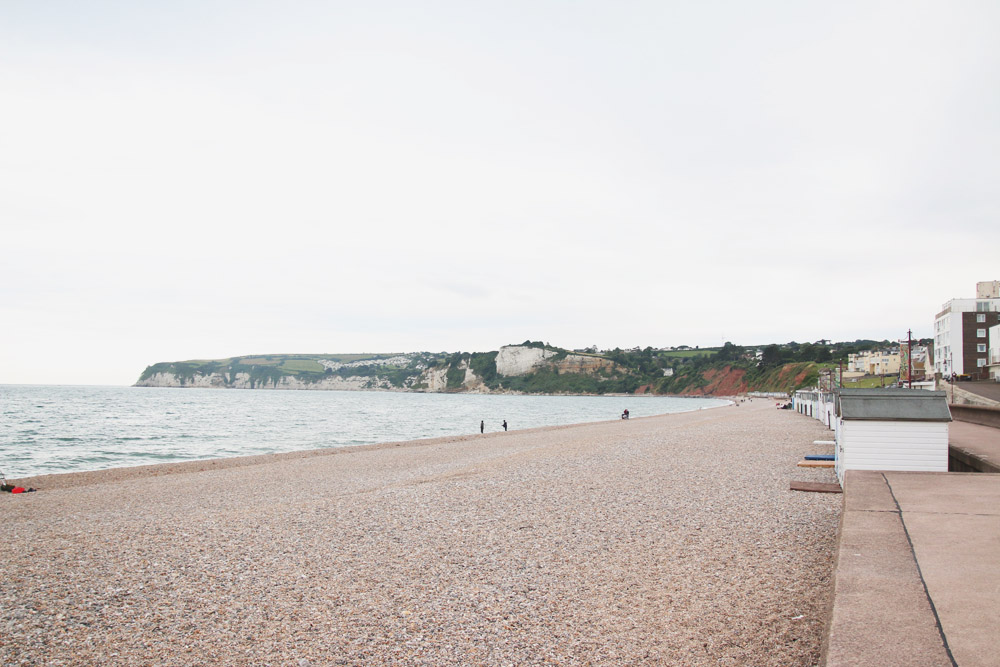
960, 338
993, 364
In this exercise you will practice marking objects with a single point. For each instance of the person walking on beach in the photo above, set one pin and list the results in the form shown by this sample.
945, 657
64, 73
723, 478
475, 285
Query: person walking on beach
504, 424
482, 427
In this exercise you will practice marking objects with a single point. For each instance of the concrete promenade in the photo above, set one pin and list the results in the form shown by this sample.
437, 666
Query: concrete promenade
975, 445
917, 580
985, 389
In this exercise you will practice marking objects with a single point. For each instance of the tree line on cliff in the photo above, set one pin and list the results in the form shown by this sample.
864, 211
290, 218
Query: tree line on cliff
683, 370
734, 368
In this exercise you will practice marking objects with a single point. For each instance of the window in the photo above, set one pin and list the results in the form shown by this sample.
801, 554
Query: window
980, 333
980, 318
981, 347
980, 362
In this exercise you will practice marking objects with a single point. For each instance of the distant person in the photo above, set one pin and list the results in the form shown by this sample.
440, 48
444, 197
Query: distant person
504, 424
625, 414
482, 427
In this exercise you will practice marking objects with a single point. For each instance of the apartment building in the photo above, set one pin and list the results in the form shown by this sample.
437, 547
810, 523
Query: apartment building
961, 339
875, 362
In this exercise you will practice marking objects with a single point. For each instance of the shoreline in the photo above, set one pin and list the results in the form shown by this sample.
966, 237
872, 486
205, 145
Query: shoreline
400, 390
63, 480
87, 477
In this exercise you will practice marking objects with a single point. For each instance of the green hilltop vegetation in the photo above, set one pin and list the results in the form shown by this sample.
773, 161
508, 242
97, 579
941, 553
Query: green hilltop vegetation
727, 370
269, 368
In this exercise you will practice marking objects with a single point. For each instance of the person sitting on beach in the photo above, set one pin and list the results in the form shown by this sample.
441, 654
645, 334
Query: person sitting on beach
625, 414
10, 488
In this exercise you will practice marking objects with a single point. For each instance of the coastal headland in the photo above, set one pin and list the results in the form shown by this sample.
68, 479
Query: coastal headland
663, 540
528, 368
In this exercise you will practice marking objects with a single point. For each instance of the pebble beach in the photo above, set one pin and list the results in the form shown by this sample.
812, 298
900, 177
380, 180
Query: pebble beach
670, 540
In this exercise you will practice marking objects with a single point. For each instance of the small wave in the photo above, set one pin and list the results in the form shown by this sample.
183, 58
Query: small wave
73, 463
154, 456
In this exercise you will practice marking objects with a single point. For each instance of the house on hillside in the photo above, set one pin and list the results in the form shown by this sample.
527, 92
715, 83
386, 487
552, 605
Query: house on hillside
922, 361
874, 362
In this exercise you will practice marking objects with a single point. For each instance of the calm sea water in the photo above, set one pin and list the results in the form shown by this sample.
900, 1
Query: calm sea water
55, 429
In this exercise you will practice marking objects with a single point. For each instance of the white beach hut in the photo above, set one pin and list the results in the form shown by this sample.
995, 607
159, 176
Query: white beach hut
826, 408
804, 402
816, 404
891, 429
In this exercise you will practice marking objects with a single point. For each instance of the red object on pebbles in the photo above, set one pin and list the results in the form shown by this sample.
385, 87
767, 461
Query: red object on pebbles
17, 489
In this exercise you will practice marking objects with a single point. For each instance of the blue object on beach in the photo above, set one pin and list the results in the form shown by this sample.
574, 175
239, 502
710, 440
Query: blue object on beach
819, 457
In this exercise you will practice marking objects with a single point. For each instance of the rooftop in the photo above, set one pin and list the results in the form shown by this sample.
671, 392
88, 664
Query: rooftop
893, 405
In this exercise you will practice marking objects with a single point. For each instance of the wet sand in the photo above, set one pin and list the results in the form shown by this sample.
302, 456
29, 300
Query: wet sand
662, 540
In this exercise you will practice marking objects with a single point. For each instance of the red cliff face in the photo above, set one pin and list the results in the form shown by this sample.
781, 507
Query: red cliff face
730, 381
797, 380
725, 382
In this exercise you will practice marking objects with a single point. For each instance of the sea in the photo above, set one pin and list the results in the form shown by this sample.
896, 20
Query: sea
61, 429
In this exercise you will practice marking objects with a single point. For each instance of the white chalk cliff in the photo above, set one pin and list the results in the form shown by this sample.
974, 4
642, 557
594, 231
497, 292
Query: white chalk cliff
243, 381
511, 361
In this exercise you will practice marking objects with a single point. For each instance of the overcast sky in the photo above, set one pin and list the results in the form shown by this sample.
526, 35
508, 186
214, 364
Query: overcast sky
213, 178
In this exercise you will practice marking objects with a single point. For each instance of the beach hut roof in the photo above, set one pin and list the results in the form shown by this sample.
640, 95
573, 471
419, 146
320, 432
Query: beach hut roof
893, 405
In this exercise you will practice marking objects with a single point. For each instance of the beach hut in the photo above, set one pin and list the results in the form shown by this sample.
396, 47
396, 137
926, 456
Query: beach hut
891, 429
826, 403
804, 402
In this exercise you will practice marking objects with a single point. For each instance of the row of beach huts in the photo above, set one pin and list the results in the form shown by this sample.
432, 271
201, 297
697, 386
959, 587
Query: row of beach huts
882, 429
